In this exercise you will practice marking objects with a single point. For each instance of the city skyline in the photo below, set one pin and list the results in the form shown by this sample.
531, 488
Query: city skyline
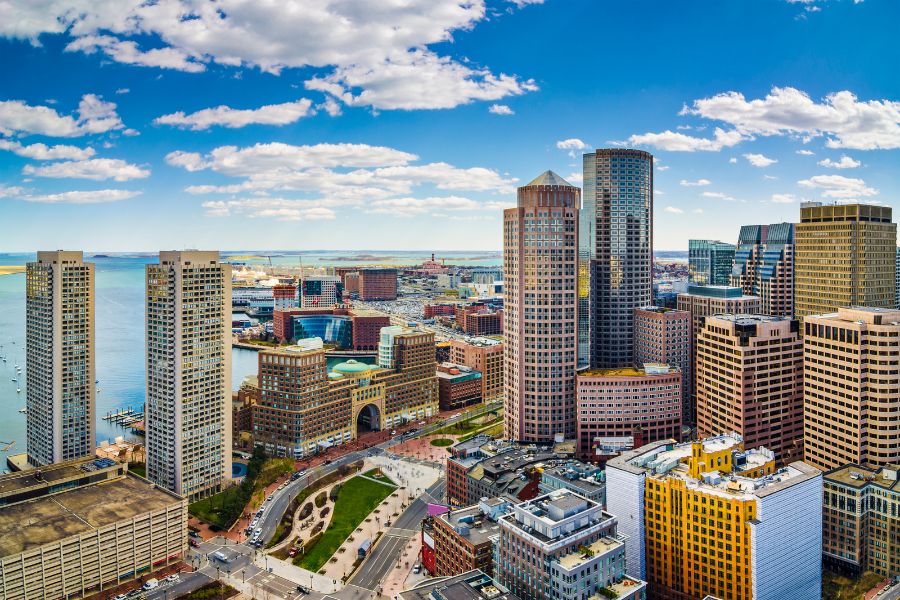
134, 116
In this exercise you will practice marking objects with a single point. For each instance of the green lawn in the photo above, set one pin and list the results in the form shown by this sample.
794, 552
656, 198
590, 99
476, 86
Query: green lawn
139, 469
358, 497
442, 442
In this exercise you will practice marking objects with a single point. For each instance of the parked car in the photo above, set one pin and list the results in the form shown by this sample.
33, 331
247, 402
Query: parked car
120, 597
194, 543
258, 530
150, 584
417, 569
292, 552
173, 578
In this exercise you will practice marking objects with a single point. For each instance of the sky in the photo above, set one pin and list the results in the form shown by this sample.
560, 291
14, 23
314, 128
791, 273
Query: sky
129, 125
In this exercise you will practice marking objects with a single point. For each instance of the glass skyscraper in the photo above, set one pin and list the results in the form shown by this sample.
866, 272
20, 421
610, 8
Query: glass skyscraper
764, 266
615, 253
710, 261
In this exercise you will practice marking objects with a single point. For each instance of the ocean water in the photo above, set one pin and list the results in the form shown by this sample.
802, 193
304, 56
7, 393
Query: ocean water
119, 282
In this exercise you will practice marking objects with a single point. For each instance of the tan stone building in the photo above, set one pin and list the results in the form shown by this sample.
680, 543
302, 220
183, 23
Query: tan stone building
485, 355
845, 255
851, 377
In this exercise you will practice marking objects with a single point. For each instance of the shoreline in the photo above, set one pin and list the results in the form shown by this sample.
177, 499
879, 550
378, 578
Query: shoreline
11, 269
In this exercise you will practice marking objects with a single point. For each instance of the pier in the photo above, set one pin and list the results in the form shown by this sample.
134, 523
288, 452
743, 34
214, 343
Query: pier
125, 417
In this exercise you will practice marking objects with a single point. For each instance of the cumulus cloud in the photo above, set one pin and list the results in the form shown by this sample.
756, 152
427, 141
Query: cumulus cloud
95, 168
845, 162
94, 116
45, 152
838, 186
805, 152
572, 144
672, 209
83, 197
128, 52
695, 183
500, 109
281, 209
760, 160
783, 198
225, 116
717, 196
674, 141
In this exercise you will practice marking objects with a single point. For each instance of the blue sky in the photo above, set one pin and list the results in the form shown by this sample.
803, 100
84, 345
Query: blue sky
326, 124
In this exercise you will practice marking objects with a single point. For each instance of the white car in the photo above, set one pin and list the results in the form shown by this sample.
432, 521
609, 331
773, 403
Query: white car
173, 578
151, 584
258, 531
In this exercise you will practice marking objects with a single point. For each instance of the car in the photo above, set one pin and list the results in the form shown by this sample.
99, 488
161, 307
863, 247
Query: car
269, 499
150, 584
394, 432
194, 543
173, 578
301, 473
302, 589
193, 534
120, 597
417, 569
292, 552
421, 422
258, 530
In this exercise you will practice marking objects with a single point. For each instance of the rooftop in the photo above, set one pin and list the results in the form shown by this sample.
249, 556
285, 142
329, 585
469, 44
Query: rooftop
548, 178
859, 477
474, 585
583, 555
49, 519
717, 291
649, 369
44, 477
472, 524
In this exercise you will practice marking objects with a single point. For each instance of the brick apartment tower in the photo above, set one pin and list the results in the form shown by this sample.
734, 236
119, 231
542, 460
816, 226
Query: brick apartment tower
540, 262
851, 374
750, 381
663, 335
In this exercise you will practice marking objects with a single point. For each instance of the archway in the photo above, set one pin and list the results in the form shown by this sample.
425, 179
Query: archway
368, 419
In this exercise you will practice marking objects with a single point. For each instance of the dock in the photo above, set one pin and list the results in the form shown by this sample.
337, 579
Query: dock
124, 417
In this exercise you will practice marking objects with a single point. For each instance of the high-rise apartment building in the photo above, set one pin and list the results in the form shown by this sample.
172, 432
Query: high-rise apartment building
845, 255
284, 296
188, 409
710, 262
750, 381
376, 284
320, 291
562, 546
540, 246
615, 254
851, 374
897, 293
485, 355
707, 517
764, 266
59, 347
663, 336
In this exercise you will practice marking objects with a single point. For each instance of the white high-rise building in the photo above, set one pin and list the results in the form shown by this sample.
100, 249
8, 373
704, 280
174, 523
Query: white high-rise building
59, 344
188, 412
320, 291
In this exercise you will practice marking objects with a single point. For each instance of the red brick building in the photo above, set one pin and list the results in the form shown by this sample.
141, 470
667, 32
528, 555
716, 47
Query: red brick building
457, 386
478, 319
439, 310
377, 284
365, 324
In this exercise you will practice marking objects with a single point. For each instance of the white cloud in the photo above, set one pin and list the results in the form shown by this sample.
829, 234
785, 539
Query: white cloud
760, 160
409, 207
838, 186
845, 121
7, 191
127, 52
122, 91
805, 152
83, 197
95, 168
500, 109
845, 162
524, 3
94, 116
577, 178
732, 160
696, 183
680, 142
45, 152
672, 209
271, 114
717, 196
662, 167
783, 198
572, 144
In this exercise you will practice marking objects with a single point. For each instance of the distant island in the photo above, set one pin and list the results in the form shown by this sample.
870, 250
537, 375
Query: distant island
11, 269
358, 258
100, 256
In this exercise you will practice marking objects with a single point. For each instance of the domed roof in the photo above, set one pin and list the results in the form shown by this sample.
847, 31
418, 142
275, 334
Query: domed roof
352, 366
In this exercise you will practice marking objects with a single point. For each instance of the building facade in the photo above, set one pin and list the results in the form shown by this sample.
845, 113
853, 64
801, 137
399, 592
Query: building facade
750, 381
764, 266
540, 245
60, 349
613, 403
377, 284
458, 386
706, 517
851, 374
663, 336
188, 408
485, 355
462, 538
710, 262
320, 291
284, 296
845, 256
615, 254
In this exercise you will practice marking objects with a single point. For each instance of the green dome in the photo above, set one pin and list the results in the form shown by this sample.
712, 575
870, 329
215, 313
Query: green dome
352, 366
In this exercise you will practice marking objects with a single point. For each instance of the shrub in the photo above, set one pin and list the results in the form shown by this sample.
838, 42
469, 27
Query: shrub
307, 510
324, 512
333, 494
321, 499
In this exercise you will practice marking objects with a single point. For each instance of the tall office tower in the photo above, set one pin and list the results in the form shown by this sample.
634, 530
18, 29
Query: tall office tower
321, 291
750, 381
663, 335
540, 248
709, 518
764, 266
897, 292
845, 255
710, 262
59, 347
851, 374
188, 411
615, 254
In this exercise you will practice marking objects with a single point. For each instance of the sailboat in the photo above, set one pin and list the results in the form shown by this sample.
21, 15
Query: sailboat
18, 390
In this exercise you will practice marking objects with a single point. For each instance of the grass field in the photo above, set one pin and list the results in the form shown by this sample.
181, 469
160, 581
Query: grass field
358, 497
442, 442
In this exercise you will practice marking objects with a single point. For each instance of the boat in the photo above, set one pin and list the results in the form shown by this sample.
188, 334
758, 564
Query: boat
23, 410
18, 390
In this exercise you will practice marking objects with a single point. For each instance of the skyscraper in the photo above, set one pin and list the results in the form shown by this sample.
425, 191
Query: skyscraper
664, 335
540, 246
615, 254
845, 256
764, 266
188, 411
710, 262
59, 346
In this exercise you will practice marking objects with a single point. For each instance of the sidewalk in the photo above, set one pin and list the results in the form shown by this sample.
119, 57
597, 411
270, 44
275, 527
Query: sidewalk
401, 577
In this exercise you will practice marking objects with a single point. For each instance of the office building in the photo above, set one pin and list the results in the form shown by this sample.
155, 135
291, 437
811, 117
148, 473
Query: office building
584, 479
432, 310
304, 408
474, 585
320, 291
897, 294
78, 528
860, 520
458, 386
710, 262
750, 381
851, 374
540, 245
484, 355
486, 275
377, 284
764, 266
59, 350
188, 408
644, 404
462, 539
345, 328
284, 296
480, 319
562, 546
615, 254
707, 517
845, 255
663, 336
